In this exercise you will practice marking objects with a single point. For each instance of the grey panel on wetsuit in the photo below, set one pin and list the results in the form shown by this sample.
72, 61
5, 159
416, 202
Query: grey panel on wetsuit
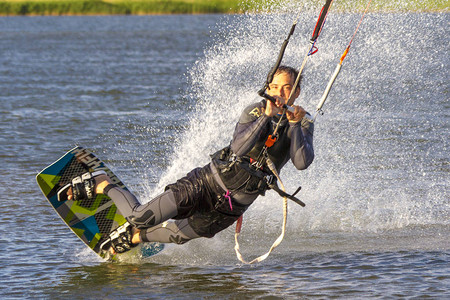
158, 210
178, 232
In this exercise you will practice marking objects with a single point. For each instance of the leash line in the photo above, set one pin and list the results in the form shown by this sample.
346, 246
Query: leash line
283, 227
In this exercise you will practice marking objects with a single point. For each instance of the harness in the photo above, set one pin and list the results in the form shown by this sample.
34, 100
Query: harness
238, 173
244, 174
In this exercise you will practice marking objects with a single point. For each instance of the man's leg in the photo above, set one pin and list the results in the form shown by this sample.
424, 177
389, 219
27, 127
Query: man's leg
178, 232
158, 210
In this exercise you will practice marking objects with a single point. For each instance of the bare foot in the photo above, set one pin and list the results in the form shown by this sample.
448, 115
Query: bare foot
136, 238
101, 185
69, 194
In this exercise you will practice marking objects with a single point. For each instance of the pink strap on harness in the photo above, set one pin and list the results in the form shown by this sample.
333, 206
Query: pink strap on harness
227, 196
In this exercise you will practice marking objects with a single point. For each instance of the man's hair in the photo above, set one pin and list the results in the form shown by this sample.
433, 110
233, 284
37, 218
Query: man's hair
291, 71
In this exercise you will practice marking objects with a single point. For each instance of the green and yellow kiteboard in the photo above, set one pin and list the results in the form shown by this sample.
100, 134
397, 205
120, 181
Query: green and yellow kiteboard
92, 220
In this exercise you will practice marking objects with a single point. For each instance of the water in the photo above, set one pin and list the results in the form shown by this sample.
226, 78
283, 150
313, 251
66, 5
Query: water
155, 95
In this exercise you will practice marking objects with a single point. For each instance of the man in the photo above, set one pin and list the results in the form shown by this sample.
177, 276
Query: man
209, 199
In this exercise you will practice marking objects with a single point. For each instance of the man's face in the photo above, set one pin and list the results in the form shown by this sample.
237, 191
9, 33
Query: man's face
282, 85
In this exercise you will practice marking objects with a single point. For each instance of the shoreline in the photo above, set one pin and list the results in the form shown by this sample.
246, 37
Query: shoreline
198, 13
174, 7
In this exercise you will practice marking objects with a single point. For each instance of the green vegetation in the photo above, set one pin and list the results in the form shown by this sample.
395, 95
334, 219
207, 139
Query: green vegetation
99, 7
393, 5
142, 7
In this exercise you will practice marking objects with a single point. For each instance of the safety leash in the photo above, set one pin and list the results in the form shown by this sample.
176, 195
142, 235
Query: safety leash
283, 228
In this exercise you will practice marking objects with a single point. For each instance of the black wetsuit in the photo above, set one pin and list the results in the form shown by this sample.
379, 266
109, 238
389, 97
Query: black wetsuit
209, 199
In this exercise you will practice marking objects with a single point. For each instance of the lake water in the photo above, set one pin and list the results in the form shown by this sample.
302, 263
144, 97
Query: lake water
155, 95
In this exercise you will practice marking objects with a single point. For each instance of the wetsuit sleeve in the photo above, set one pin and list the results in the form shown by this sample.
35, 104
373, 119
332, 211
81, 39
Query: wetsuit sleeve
252, 127
302, 151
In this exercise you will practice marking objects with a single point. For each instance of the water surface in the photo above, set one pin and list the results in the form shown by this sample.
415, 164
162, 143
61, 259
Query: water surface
155, 95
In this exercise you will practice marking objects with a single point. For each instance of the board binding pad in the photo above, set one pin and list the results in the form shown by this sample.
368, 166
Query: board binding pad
92, 220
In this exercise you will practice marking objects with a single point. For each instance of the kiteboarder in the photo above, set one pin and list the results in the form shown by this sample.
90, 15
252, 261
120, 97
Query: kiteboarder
211, 198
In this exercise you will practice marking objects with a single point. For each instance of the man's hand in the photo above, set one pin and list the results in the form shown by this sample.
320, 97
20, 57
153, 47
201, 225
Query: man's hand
274, 108
297, 115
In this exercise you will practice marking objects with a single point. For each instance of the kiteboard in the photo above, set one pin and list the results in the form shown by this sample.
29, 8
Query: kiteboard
94, 220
